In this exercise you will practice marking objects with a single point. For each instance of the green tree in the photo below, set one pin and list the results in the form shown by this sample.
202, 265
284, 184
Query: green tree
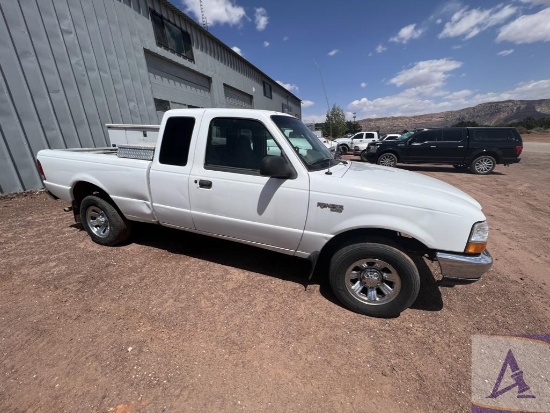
335, 124
353, 127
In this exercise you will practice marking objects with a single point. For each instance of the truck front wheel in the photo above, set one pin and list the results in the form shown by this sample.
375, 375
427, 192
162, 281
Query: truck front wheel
374, 279
343, 149
103, 222
364, 156
387, 159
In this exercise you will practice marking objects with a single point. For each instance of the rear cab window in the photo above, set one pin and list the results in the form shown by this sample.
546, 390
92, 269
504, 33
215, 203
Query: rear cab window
176, 139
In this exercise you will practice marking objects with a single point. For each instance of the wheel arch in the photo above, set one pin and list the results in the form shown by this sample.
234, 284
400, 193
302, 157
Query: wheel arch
81, 189
404, 242
495, 153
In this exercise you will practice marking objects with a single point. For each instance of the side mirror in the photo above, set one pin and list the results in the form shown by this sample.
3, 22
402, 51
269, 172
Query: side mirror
276, 167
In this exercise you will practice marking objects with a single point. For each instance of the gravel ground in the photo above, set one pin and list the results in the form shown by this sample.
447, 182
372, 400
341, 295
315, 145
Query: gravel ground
182, 323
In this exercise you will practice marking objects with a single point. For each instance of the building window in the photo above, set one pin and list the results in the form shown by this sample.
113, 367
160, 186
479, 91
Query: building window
171, 37
287, 109
267, 90
161, 105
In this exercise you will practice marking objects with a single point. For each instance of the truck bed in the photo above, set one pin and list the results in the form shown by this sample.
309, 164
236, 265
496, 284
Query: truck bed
124, 179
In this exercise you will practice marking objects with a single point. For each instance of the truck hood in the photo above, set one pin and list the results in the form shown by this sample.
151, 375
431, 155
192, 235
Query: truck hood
382, 183
402, 180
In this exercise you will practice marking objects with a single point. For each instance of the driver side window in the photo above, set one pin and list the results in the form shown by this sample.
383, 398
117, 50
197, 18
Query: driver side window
238, 145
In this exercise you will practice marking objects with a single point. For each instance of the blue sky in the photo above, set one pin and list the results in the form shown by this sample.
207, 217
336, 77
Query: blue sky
390, 58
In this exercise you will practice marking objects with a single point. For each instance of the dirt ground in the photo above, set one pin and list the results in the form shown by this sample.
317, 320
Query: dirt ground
182, 323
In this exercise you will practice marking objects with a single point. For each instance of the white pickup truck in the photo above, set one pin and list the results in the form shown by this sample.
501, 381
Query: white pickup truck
346, 145
211, 173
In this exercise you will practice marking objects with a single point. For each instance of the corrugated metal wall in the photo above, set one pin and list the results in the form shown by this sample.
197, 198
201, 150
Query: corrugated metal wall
68, 67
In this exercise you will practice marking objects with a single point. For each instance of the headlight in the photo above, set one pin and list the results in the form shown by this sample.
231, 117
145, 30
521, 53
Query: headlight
477, 242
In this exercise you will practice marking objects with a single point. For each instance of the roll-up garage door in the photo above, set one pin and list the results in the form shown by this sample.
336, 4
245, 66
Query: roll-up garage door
235, 98
176, 83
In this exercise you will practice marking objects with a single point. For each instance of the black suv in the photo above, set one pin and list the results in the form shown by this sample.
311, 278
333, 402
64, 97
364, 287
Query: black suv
476, 149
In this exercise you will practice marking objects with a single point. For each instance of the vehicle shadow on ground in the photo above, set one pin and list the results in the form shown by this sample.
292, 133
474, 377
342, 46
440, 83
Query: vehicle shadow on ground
269, 263
439, 168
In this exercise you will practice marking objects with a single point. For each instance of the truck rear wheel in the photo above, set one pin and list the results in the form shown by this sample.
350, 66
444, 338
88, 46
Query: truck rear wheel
102, 221
483, 165
374, 279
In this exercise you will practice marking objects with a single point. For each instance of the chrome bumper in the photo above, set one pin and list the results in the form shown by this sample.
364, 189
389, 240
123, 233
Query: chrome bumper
463, 269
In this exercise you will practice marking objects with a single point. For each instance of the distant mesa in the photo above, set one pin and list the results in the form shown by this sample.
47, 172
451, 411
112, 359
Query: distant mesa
488, 114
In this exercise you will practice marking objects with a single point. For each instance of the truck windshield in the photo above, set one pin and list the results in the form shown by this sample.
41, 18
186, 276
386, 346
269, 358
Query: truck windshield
309, 148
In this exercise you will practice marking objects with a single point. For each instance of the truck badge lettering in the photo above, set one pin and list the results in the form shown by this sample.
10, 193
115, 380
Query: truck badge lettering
332, 207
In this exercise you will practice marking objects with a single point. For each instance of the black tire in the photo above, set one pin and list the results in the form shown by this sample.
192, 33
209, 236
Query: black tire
374, 279
102, 221
483, 165
364, 156
343, 149
387, 159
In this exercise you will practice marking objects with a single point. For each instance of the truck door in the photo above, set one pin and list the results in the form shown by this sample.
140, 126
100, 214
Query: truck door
228, 195
420, 147
169, 174
452, 146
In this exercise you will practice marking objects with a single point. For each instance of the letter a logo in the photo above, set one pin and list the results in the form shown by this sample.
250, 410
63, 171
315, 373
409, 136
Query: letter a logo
517, 377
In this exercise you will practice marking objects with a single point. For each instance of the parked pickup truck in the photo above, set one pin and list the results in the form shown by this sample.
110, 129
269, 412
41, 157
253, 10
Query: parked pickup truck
477, 149
346, 145
211, 173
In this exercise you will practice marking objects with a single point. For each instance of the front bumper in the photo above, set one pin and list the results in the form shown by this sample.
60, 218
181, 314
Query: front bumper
463, 269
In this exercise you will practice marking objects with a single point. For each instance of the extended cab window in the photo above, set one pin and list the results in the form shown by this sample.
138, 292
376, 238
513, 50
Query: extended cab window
176, 139
238, 144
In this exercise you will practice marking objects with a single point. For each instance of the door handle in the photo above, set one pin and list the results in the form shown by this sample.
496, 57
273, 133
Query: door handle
433, 146
461, 146
203, 183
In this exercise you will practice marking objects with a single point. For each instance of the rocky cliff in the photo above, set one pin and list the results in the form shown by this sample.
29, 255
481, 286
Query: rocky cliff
490, 114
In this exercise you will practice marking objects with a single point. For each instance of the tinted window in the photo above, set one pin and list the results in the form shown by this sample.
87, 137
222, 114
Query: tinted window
267, 90
493, 134
427, 136
170, 36
176, 139
238, 143
369, 136
452, 135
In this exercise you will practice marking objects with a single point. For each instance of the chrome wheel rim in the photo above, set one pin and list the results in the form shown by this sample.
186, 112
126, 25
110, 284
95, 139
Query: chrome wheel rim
97, 221
484, 165
372, 281
387, 160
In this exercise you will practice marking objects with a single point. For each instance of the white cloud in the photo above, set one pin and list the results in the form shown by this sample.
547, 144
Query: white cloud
536, 2
506, 52
363, 84
428, 73
288, 86
438, 21
307, 103
470, 22
314, 118
333, 52
216, 11
237, 50
261, 18
418, 100
266, 44
527, 29
380, 48
407, 33
285, 38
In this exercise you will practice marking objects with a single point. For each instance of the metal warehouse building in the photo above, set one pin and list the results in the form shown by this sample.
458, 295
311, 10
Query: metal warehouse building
68, 67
